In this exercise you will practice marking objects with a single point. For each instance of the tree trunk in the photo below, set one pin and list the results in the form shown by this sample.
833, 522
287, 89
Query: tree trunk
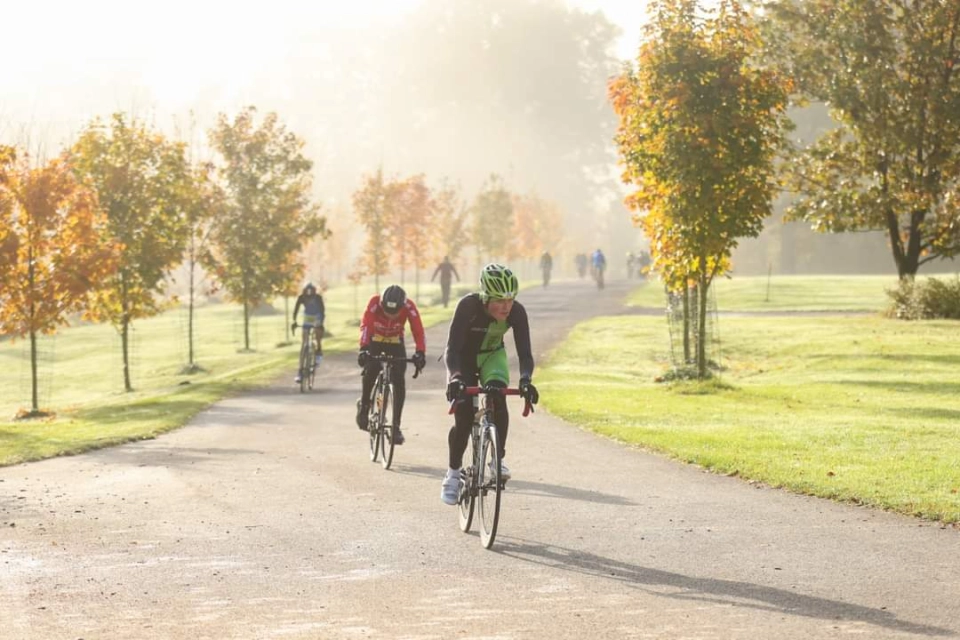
190, 317
125, 345
246, 326
702, 329
33, 370
686, 325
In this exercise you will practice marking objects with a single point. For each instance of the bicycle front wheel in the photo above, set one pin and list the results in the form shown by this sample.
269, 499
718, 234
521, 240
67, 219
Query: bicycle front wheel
388, 428
466, 500
373, 419
489, 487
304, 368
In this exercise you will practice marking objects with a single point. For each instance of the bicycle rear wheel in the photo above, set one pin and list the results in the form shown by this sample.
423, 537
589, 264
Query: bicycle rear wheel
388, 428
311, 365
489, 487
373, 419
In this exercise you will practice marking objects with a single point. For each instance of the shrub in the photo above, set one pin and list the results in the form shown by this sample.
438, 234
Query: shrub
925, 299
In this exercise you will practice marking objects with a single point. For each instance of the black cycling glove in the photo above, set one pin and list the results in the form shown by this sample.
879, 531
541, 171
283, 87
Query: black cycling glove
455, 389
419, 360
528, 392
362, 358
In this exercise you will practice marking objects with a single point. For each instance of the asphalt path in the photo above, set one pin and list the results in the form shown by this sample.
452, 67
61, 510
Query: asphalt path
264, 518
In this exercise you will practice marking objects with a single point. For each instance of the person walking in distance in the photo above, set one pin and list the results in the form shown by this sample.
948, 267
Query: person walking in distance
381, 332
475, 353
446, 270
546, 265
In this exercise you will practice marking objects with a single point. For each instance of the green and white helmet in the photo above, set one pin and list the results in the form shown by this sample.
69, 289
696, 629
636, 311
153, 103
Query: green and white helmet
498, 282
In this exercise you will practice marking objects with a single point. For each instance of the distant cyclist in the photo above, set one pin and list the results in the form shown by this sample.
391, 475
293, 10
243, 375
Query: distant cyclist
446, 270
313, 317
581, 261
381, 332
598, 263
475, 353
546, 265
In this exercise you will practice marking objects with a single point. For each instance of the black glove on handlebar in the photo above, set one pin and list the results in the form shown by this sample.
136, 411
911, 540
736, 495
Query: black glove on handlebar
419, 360
455, 389
362, 357
293, 327
528, 392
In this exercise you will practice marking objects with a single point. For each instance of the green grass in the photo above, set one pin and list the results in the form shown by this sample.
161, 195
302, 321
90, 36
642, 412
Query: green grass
81, 376
859, 409
780, 293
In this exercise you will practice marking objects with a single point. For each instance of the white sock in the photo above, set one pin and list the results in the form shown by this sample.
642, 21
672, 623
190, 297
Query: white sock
453, 473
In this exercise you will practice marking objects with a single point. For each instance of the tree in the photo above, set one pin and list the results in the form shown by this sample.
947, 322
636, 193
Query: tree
450, 223
537, 226
203, 202
411, 213
520, 83
700, 128
268, 216
56, 251
369, 203
492, 219
141, 179
888, 70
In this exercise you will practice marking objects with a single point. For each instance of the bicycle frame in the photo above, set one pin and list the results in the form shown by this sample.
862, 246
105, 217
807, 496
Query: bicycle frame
380, 426
308, 350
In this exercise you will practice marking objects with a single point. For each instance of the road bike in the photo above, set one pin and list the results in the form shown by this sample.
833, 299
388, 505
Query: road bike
480, 483
308, 356
381, 423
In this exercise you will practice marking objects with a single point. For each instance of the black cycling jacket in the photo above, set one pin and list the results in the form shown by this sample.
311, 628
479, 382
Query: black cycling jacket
472, 326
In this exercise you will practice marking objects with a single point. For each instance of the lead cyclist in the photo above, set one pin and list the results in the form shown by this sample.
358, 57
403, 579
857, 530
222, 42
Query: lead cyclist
475, 353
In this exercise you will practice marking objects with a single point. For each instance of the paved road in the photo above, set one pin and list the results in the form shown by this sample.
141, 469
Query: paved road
265, 519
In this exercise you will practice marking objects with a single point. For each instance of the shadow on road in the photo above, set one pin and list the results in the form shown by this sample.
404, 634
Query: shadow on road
522, 487
728, 592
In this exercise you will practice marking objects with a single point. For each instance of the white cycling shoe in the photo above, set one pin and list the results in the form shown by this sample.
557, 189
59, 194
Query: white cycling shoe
450, 489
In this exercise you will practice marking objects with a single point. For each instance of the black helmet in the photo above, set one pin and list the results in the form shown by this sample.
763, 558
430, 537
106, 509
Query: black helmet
309, 287
393, 298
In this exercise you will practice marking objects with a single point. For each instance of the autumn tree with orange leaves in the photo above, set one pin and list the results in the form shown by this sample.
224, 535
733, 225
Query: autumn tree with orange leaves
537, 226
55, 250
410, 210
699, 129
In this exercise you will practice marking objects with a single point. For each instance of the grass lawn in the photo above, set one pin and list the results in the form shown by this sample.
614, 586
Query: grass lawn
795, 293
860, 409
81, 376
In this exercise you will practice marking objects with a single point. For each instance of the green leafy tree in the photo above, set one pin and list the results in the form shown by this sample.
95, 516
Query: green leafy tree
700, 128
889, 71
204, 202
268, 217
492, 219
56, 251
141, 179
370, 206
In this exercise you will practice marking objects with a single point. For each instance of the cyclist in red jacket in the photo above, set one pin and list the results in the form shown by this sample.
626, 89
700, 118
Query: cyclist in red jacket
381, 332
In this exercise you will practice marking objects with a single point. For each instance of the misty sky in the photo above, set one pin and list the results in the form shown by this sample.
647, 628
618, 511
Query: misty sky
74, 60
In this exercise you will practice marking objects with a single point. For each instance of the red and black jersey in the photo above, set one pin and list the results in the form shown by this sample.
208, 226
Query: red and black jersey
378, 326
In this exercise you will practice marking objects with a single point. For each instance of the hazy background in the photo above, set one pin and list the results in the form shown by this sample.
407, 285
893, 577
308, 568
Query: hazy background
454, 89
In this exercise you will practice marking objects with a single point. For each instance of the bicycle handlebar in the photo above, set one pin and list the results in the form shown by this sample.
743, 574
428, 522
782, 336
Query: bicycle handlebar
383, 357
475, 391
